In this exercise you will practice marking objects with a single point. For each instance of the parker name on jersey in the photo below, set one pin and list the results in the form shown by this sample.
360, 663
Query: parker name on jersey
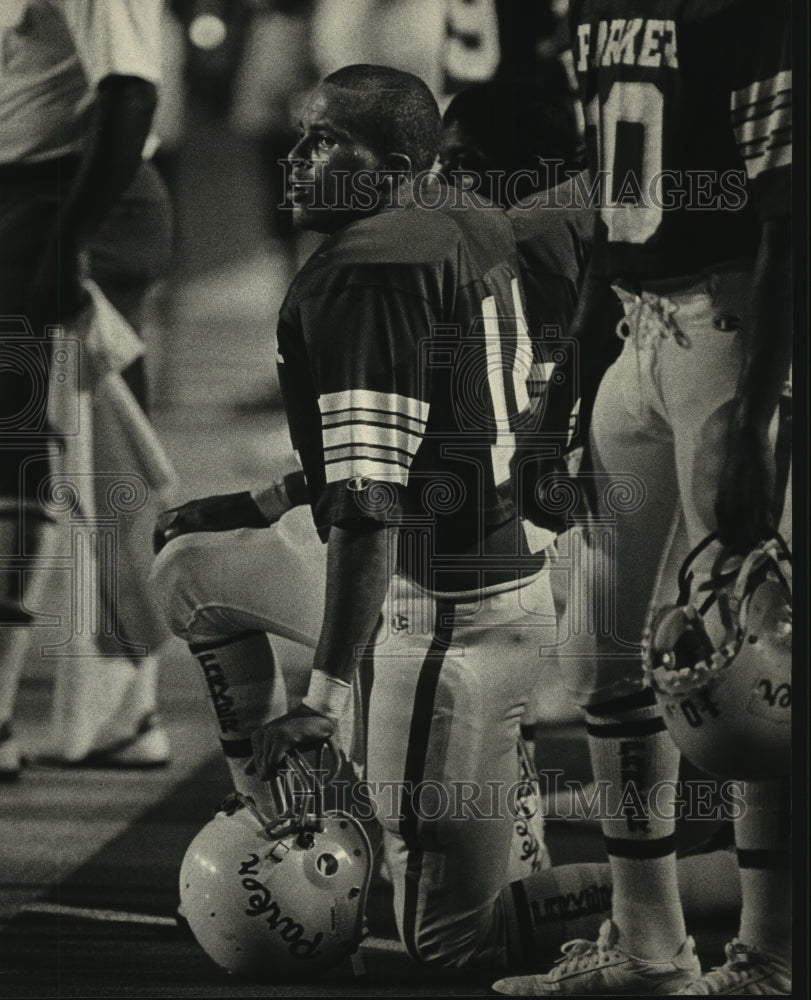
687, 108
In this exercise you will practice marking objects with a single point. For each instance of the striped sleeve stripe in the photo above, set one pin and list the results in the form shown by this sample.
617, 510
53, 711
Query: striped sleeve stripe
349, 432
406, 408
364, 414
760, 91
341, 452
762, 110
770, 159
368, 468
371, 434
363, 435
337, 418
761, 150
780, 137
761, 116
778, 120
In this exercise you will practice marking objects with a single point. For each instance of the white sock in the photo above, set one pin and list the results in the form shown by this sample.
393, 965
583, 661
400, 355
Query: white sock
633, 753
547, 909
245, 689
762, 839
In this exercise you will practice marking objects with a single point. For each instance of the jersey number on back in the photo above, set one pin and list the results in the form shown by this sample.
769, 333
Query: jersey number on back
501, 367
628, 139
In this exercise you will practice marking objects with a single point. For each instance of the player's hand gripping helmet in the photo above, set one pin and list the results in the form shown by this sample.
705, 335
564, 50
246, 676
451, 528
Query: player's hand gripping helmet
278, 899
728, 704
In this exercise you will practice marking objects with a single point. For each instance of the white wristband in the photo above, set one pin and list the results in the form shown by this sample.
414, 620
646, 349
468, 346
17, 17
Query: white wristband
327, 695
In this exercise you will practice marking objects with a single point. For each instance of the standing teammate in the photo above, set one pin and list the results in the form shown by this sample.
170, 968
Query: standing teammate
77, 95
516, 142
688, 109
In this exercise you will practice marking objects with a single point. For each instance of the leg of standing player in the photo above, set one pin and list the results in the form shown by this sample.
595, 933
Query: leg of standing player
718, 315
630, 748
650, 409
28, 206
657, 418
105, 703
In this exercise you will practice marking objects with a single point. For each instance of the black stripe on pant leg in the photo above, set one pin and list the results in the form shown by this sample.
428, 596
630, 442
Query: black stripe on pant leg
237, 748
366, 679
641, 850
767, 860
418, 741
195, 648
526, 936
625, 703
624, 730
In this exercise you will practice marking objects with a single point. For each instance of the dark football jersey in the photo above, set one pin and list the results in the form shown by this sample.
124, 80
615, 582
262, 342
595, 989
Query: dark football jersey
403, 361
688, 129
553, 233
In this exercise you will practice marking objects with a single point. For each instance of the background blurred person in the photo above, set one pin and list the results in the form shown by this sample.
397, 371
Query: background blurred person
77, 95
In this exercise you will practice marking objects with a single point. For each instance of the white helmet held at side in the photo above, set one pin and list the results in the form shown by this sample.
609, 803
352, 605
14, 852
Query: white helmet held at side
278, 899
727, 704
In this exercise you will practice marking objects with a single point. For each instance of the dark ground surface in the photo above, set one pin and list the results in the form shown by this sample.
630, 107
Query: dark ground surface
46, 955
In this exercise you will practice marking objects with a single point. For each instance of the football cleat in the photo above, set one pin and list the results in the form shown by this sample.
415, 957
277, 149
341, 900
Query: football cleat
747, 972
278, 899
727, 703
601, 968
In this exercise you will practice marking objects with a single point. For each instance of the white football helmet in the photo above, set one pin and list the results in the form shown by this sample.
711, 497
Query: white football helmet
278, 899
727, 704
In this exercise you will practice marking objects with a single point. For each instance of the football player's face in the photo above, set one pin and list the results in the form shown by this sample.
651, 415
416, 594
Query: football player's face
332, 166
461, 161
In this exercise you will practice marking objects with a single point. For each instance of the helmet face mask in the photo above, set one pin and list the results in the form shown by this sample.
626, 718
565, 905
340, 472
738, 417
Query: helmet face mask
277, 899
727, 701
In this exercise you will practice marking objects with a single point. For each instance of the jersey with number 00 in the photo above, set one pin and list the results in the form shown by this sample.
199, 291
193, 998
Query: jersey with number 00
688, 128
404, 357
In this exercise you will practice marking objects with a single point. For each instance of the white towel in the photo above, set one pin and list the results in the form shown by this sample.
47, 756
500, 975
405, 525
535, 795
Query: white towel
113, 477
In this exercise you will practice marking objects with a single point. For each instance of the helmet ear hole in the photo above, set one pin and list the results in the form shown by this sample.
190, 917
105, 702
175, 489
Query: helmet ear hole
327, 865
270, 921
